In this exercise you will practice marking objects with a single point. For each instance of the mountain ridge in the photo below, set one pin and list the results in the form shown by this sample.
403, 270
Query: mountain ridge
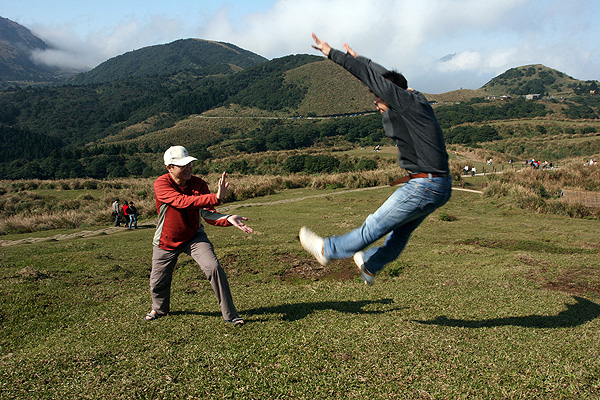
202, 57
183, 56
536, 79
16, 45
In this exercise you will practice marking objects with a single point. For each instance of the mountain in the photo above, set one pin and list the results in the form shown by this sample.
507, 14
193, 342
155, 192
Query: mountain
535, 79
81, 114
220, 100
16, 46
191, 56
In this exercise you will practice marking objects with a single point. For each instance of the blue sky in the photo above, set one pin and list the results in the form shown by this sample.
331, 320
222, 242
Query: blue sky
440, 45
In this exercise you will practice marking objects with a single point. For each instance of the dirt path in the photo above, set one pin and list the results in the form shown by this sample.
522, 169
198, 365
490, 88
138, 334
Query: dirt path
224, 209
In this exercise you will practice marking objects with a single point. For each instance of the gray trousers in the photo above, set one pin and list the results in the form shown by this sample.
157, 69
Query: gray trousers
201, 250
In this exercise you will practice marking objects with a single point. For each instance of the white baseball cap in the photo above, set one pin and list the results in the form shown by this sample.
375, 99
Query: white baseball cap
178, 155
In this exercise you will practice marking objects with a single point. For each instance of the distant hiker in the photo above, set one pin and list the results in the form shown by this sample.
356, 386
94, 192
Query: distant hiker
132, 211
408, 119
181, 199
126, 213
115, 211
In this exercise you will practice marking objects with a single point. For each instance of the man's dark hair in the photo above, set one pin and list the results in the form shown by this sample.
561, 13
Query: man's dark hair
396, 78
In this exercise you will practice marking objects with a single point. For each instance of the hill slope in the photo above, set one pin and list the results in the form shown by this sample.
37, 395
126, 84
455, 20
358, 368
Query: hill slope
16, 45
87, 113
200, 57
535, 79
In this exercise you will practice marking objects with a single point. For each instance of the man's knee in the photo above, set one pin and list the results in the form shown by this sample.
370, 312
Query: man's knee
211, 267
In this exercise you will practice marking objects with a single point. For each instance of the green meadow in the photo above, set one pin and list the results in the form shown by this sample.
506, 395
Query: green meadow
488, 301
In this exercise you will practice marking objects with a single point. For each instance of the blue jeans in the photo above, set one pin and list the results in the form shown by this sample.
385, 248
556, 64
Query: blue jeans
132, 220
397, 218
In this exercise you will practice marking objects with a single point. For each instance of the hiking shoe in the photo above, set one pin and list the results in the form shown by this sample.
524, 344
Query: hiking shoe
366, 276
313, 243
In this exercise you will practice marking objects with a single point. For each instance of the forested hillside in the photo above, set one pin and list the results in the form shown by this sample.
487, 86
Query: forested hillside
16, 46
192, 56
537, 79
224, 102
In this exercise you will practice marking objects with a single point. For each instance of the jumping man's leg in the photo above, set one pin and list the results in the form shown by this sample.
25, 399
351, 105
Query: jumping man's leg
399, 216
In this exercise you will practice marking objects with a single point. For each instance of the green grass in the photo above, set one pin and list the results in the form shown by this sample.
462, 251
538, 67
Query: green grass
497, 303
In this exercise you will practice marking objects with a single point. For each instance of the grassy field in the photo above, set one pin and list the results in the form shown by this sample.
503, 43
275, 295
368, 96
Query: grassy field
487, 302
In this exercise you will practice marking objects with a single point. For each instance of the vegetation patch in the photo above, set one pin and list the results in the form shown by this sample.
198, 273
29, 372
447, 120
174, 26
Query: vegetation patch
72, 310
307, 269
574, 279
527, 245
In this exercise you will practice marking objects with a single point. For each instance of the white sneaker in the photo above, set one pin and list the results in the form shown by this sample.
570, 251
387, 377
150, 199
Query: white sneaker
367, 277
313, 243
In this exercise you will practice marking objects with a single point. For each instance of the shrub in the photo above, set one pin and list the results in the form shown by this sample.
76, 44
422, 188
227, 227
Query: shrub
320, 164
540, 190
366, 164
239, 166
294, 163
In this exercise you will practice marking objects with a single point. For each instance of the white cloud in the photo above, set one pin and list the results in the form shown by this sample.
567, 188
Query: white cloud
404, 34
465, 60
486, 36
70, 51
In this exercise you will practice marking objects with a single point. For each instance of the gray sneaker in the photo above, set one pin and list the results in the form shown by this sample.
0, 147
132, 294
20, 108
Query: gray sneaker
313, 243
367, 277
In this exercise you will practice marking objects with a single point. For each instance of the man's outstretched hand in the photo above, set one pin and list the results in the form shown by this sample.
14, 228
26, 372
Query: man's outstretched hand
350, 51
320, 45
222, 187
325, 48
238, 222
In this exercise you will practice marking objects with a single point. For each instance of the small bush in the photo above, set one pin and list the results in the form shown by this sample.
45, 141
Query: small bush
238, 166
294, 163
366, 164
320, 164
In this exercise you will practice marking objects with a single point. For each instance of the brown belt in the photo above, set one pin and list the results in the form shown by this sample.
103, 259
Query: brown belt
408, 177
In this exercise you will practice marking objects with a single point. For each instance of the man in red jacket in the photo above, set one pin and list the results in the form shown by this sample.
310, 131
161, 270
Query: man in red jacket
181, 199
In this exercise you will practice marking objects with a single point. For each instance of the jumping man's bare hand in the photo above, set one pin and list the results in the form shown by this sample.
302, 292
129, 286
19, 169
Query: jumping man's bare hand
350, 51
320, 45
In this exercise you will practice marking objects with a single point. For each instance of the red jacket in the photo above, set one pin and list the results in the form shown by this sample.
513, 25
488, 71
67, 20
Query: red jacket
179, 210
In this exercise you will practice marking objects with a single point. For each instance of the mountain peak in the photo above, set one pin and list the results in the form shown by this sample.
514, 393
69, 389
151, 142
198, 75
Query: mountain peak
531, 79
198, 56
16, 45
15, 35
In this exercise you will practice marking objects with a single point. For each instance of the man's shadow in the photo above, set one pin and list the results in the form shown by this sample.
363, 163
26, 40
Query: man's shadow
295, 311
576, 314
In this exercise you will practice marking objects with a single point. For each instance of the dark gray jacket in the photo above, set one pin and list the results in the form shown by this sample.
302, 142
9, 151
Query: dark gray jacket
410, 120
